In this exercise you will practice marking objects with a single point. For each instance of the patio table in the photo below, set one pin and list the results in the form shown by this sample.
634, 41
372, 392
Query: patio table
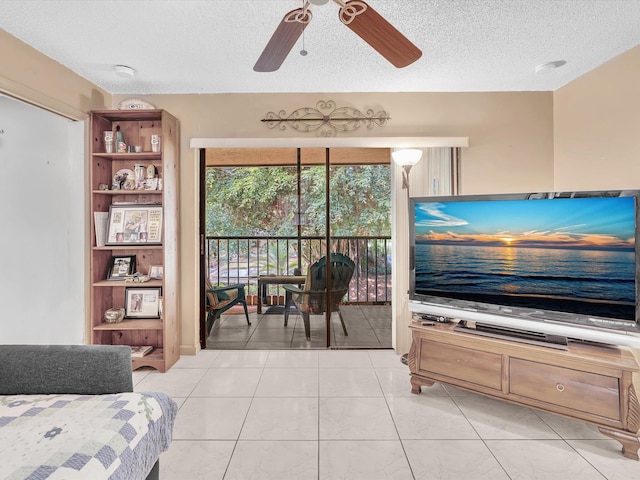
264, 280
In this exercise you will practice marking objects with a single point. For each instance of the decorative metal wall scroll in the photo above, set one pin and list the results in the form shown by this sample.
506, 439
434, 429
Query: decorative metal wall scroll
326, 119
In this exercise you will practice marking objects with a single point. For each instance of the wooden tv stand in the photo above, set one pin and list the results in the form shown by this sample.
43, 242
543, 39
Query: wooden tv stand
586, 382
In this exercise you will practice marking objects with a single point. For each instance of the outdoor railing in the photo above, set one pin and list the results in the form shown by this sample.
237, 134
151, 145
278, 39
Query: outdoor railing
243, 259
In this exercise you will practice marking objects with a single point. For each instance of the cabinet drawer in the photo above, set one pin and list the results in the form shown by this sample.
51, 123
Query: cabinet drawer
581, 391
474, 366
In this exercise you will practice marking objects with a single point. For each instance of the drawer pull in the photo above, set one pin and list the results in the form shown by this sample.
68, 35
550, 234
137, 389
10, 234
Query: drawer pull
560, 387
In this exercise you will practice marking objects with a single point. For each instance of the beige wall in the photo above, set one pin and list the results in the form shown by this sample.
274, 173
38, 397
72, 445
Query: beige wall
510, 133
29, 75
597, 127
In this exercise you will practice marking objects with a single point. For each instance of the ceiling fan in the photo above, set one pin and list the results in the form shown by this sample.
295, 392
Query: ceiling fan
355, 14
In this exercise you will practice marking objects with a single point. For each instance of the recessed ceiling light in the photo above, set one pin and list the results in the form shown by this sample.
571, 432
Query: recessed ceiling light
124, 71
545, 67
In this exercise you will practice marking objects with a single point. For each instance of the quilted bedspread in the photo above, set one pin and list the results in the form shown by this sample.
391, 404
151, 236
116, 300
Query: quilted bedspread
117, 436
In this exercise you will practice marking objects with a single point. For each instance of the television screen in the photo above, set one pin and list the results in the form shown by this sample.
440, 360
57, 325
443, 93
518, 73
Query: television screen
567, 257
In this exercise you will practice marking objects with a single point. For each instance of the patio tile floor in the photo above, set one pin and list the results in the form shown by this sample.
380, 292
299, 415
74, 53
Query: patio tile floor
368, 326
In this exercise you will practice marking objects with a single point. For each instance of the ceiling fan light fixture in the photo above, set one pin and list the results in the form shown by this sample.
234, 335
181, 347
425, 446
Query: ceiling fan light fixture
124, 71
318, 2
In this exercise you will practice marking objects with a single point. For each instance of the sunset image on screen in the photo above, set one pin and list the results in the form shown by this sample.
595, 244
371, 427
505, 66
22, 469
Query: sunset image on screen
580, 223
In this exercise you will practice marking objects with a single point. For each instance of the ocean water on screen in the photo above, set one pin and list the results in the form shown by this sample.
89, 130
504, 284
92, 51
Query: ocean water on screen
489, 273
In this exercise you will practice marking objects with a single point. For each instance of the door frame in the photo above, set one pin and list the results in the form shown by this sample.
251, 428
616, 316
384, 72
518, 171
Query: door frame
202, 228
201, 144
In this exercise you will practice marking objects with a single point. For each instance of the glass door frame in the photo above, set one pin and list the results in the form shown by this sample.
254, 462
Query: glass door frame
202, 237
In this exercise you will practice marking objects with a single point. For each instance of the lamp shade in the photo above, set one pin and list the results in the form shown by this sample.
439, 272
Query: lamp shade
409, 156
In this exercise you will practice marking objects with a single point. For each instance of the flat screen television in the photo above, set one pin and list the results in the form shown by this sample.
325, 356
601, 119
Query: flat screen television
561, 263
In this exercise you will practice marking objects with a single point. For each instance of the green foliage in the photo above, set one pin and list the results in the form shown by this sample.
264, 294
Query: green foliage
262, 201
361, 200
250, 201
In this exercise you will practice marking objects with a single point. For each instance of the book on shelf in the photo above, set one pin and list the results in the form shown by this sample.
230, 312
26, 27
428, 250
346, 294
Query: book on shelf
100, 220
138, 351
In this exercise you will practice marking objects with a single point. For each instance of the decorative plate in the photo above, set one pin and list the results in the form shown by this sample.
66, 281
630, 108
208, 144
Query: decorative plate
129, 183
135, 104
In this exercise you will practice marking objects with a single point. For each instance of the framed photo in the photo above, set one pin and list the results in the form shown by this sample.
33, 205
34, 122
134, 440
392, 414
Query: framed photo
142, 302
134, 223
121, 266
155, 272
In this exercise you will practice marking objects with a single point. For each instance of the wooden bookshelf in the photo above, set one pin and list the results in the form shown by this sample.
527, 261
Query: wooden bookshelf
162, 333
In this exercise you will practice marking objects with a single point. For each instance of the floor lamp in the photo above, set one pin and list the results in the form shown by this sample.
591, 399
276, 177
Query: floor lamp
406, 158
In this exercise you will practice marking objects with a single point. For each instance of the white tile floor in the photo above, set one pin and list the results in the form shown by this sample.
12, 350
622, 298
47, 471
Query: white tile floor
327, 414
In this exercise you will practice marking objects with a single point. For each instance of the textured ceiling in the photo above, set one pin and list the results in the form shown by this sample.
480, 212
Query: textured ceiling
211, 46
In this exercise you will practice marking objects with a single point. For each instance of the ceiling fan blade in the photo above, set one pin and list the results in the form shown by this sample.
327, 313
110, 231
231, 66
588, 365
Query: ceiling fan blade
283, 40
377, 32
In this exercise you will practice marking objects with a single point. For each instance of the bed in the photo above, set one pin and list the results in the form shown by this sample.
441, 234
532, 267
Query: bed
69, 412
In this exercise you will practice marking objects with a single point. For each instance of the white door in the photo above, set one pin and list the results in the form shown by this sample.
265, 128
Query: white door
41, 226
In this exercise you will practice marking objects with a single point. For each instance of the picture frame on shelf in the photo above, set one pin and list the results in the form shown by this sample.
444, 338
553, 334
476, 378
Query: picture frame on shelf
142, 302
156, 272
121, 266
134, 223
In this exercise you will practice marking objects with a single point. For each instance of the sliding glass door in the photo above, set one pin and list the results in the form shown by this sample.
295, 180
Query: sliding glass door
304, 221
348, 205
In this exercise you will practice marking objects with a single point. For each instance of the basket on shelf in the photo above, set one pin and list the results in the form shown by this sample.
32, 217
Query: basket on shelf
114, 315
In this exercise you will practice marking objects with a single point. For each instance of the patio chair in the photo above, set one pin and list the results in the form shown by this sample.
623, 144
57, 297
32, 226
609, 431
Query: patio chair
312, 298
221, 299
